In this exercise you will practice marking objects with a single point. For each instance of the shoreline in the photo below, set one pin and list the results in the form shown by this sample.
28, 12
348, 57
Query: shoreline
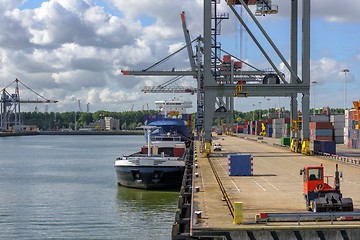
15, 134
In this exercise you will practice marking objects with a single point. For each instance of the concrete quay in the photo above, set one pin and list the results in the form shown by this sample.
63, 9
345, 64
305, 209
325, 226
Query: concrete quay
275, 187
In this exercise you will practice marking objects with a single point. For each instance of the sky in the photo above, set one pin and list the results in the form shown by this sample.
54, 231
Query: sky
70, 50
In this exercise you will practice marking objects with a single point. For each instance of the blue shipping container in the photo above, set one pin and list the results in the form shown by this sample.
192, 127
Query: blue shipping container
324, 132
325, 146
240, 164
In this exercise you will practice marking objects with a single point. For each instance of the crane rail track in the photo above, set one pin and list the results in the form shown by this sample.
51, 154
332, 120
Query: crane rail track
222, 188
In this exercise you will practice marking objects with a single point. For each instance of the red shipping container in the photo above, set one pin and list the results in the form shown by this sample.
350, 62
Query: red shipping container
321, 125
323, 138
356, 115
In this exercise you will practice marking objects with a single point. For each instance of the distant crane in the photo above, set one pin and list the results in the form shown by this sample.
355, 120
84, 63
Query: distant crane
79, 105
10, 106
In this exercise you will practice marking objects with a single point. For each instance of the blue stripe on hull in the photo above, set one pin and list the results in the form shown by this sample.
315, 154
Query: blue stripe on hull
149, 177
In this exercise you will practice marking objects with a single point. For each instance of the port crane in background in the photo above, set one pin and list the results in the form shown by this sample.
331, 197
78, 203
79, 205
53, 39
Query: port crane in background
282, 89
167, 87
220, 80
10, 114
79, 102
230, 67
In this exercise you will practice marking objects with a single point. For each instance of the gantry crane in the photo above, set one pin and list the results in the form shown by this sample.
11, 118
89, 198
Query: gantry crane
220, 79
227, 70
10, 106
79, 103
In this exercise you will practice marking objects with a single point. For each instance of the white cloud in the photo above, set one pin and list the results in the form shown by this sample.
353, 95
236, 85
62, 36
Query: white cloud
67, 49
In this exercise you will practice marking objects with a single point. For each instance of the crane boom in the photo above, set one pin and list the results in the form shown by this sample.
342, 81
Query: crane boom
38, 101
188, 42
169, 89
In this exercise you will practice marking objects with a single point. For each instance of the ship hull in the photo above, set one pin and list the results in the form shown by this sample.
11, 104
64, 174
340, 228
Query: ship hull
149, 177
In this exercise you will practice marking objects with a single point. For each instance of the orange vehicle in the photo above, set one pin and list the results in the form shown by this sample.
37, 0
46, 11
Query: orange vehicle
319, 195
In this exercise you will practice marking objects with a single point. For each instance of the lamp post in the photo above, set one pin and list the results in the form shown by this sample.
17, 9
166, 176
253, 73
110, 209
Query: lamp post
259, 110
253, 117
268, 99
314, 83
345, 71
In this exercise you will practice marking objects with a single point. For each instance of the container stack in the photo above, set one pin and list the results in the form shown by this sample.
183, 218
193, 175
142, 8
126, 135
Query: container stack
246, 129
240, 164
286, 128
277, 126
269, 130
319, 118
352, 126
238, 127
252, 128
338, 122
321, 131
258, 128
346, 127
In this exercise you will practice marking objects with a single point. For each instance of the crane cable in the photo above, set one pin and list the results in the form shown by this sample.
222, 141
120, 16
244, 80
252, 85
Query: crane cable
17, 80
168, 57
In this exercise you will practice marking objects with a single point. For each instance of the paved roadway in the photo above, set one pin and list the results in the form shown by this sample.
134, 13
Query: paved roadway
276, 185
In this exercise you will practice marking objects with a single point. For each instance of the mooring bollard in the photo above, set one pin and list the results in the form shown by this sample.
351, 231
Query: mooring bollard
238, 212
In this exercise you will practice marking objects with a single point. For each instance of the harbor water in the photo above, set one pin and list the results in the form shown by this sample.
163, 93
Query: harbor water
64, 187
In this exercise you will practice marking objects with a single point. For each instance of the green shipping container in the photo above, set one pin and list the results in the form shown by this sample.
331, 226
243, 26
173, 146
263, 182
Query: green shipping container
285, 141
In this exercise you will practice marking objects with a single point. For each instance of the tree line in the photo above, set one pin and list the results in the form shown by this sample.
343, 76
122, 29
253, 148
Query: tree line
54, 121
129, 120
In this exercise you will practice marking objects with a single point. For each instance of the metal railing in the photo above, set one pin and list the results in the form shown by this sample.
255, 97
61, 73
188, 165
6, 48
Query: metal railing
307, 216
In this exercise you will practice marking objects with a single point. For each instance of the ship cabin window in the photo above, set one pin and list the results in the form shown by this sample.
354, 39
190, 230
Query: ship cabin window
315, 174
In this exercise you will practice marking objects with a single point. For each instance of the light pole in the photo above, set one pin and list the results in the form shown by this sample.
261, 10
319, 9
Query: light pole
314, 83
259, 111
268, 99
253, 117
345, 71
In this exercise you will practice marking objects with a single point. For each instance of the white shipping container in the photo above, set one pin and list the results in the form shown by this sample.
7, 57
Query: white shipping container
339, 125
346, 114
277, 125
339, 132
278, 121
337, 118
319, 118
339, 139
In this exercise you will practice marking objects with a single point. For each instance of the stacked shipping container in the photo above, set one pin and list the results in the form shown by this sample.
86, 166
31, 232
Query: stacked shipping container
277, 126
321, 131
338, 128
338, 122
352, 126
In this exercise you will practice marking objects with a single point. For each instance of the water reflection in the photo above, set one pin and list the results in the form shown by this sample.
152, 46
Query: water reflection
151, 211
148, 199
